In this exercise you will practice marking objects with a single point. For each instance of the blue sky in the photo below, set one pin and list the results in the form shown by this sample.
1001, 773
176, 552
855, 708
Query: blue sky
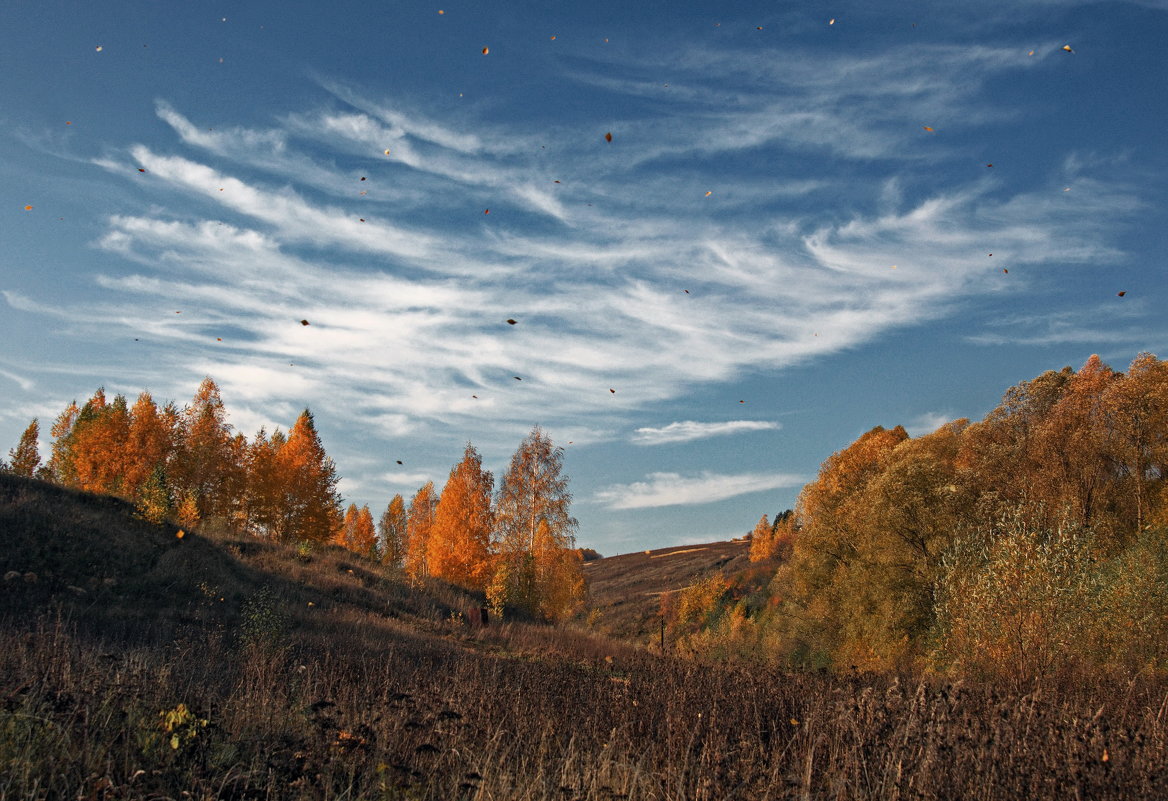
786, 242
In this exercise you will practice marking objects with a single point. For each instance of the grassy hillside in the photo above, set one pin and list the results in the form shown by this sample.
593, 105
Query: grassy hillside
137, 664
626, 590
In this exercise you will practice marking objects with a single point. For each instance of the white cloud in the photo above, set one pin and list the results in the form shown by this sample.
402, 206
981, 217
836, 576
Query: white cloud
673, 489
24, 383
928, 422
689, 430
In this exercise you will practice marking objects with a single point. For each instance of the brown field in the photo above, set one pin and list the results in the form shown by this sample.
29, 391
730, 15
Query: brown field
627, 589
225, 668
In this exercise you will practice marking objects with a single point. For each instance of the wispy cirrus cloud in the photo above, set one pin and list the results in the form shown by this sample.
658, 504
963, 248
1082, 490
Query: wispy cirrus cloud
407, 319
624, 276
690, 430
674, 489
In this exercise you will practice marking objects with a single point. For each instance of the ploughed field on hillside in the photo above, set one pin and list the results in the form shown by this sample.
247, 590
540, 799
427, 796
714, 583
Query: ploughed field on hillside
138, 664
626, 590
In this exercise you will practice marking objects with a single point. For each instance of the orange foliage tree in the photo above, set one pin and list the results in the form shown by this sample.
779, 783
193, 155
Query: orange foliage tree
308, 480
419, 521
458, 549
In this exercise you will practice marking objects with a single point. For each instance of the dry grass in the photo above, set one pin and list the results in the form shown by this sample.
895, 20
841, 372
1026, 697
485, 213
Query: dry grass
378, 690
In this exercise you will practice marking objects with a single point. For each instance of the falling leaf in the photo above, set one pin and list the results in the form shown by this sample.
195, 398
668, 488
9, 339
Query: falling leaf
758, 28
927, 128
67, 122
555, 182
517, 378
441, 12
399, 461
476, 397
180, 534
387, 151
140, 169
1068, 48
486, 50
709, 193
362, 219
1105, 756
613, 391
608, 136
486, 211
218, 339
511, 322
553, 38
686, 291
1121, 294
893, 267
989, 165
28, 208
831, 21
1030, 53
98, 48
742, 401
1004, 270
304, 322
362, 177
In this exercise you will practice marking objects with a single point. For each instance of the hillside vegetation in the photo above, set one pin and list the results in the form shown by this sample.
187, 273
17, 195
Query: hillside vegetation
1030, 544
138, 664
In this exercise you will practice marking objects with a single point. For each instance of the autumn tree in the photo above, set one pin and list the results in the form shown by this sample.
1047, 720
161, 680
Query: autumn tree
357, 532
61, 458
308, 483
365, 536
533, 525
265, 512
150, 442
392, 531
25, 458
97, 445
155, 501
1071, 445
419, 521
347, 531
209, 464
1137, 409
458, 549
831, 513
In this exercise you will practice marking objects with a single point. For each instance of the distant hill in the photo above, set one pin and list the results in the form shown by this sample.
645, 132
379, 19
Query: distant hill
626, 589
